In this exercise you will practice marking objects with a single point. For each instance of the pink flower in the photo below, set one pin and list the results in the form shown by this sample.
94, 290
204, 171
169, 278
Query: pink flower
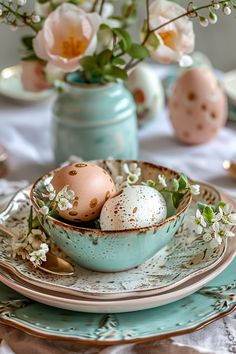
176, 38
33, 76
68, 34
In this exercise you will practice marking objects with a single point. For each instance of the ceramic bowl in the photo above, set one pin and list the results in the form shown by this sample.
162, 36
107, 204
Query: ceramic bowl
111, 251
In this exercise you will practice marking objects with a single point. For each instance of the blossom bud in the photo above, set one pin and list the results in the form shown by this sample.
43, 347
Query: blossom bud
216, 6
227, 10
204, 22
21, 2
212, 18
35, 18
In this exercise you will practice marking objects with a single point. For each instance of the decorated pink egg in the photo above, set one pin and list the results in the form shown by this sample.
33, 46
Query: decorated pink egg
198, 106
88, 185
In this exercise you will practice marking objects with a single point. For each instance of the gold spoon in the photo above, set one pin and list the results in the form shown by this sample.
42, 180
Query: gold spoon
53, 265
230, 167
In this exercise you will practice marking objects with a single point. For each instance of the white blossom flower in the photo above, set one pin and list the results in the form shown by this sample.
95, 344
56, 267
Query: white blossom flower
198, 222
39, 256
207, 236
162, 180
221, 230
215, 242
44, 209
64, 204
120, 182
36, 238
66, 193
47, 180
195, 189
228, 215
133, 172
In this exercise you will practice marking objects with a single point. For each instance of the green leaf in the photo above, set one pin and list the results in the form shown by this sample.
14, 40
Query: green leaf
103, 26
173, 185
153, 41
129, 12
104, 57
28, 42
116, 73
150, 183
35, 223
89, 63
42, 1
183, 182
30, 57
208, 214
137, 51
124, 37
177, 197
118, 61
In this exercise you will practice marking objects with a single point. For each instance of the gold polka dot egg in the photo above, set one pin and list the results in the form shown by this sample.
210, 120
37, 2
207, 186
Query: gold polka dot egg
198, 106
92, 186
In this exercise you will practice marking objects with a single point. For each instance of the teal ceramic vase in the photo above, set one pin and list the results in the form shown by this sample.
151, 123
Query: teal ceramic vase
94, 121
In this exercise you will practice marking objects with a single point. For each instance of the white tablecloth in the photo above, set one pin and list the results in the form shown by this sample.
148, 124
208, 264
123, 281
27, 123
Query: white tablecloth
25, 132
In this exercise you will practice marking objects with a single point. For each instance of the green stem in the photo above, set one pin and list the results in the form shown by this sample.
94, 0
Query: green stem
101, 7
94, 5
19, 16
148, 15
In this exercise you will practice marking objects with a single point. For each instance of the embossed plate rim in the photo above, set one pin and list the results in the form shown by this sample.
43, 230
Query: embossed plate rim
118, 306
113, 295
189, 326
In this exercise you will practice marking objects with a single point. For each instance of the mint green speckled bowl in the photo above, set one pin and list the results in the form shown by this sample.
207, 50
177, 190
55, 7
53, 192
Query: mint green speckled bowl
112, 251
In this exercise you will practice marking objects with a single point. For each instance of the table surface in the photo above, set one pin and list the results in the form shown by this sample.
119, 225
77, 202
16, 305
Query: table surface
26, 130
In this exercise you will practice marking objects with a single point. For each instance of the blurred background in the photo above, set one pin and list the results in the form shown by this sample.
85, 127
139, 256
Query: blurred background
217, 41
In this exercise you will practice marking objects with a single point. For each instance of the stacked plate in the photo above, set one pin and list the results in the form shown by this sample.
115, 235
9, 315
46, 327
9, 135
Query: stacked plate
178, 270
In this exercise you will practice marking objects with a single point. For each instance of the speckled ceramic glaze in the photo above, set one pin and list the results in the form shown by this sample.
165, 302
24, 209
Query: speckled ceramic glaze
198, 106
110, 251
94, 122
217, 299
184, 258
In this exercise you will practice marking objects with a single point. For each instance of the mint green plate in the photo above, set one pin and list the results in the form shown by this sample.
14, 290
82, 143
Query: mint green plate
184, 316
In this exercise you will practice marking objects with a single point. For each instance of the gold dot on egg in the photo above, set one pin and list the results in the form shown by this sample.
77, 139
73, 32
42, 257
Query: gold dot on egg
204, 107
200, 127
76, 198
73, 213
213, 115
135, 210
93, 203
75, 204
192, 96
80, 164
73, 173
186, 134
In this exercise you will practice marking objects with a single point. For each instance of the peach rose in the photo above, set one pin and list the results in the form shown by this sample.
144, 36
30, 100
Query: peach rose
33, 76
68, 34
177, 38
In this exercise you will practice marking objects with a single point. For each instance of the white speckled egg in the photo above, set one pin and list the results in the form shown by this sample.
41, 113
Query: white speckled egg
135, 207
92, 186
147, 91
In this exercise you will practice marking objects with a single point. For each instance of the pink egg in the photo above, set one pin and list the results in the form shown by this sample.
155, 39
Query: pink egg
92, 186
198, 106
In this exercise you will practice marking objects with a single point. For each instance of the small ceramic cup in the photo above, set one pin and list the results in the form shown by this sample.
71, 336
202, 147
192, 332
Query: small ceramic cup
112, 251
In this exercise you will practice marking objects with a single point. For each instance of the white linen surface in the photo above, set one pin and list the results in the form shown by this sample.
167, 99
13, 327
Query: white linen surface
25, 132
